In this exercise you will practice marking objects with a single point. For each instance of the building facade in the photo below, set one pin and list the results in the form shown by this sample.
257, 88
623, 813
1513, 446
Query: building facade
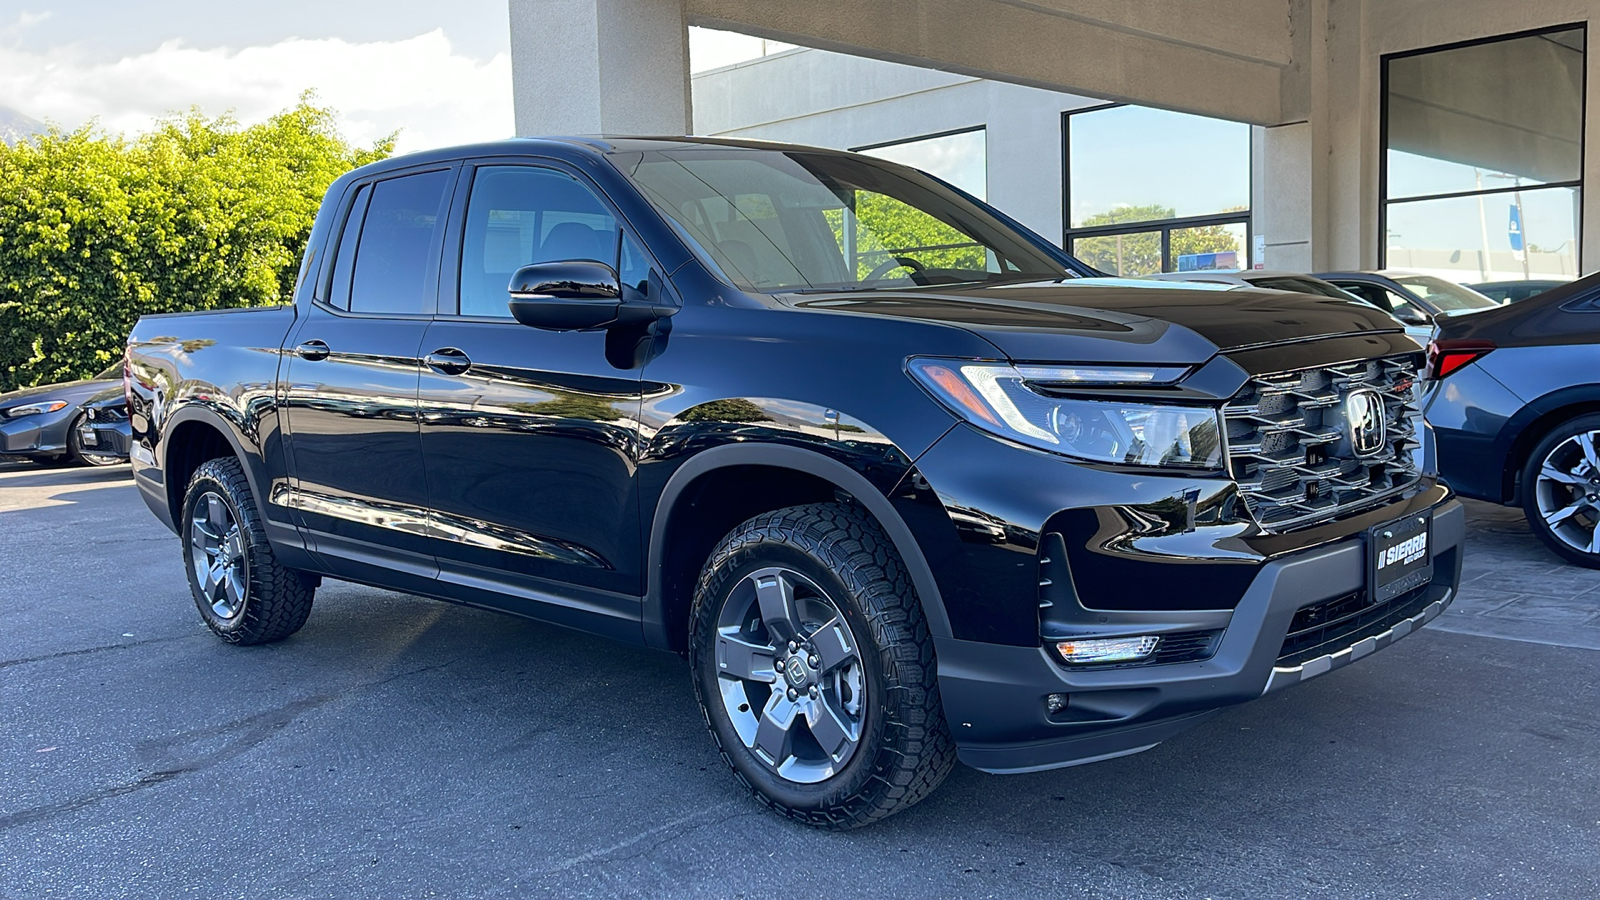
1448, 136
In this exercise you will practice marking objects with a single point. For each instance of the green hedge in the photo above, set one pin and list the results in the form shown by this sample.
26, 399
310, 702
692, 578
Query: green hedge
97, 230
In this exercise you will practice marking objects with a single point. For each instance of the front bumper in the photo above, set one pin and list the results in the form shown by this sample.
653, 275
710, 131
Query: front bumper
994, 695
106, 438
43, 435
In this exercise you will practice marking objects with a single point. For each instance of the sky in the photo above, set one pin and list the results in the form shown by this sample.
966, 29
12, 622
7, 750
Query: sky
436, 71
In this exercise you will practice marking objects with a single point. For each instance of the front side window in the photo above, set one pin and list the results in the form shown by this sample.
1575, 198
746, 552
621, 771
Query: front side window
796, 220
521, 215
394, 251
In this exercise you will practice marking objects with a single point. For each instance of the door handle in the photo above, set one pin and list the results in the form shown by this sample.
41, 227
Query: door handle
312, 351
449, 361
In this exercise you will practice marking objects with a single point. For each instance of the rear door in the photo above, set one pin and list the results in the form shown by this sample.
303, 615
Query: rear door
350, 389
531, 437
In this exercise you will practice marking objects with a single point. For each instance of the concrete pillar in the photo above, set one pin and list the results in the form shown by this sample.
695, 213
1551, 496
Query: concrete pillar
1344, 137
1025, 158
600, 66
1283, 199
1589, 237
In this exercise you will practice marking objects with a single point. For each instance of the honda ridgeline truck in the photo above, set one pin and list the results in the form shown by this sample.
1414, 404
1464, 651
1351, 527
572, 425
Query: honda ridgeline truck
904, 483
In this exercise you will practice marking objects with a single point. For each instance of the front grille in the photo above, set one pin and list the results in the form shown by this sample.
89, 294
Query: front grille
1290, 449
1333, 625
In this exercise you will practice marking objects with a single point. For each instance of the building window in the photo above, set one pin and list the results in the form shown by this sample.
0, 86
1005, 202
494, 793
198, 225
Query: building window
1150, 191
959, 157
1483, 158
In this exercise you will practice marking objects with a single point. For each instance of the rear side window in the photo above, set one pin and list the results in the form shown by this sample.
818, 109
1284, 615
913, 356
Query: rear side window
386, 249
345, 257
519, 215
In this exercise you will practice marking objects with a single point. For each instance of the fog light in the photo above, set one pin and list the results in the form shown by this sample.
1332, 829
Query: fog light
1054, 703
1105, 650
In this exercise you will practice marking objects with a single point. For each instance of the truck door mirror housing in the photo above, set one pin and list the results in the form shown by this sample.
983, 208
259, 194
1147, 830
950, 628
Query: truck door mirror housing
572, 295
580, 295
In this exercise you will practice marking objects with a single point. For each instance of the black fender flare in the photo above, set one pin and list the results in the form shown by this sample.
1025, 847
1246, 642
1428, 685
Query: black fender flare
785, 457
250, 461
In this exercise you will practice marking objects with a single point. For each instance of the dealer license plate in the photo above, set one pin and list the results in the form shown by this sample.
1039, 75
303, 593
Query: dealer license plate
1400, 556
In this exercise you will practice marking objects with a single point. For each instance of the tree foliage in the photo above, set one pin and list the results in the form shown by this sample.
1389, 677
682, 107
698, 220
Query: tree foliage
730, 410
201, 213
1140, 253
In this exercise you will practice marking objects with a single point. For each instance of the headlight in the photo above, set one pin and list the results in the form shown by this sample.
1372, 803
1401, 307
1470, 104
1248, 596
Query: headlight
33, 409
1013, 403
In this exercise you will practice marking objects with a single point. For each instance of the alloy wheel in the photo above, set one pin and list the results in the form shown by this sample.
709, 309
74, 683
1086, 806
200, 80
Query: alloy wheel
1567, 491
790, 675
217, 555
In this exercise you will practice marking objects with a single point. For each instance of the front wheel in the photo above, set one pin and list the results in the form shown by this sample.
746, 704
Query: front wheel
815, 670
1561, 490
243, 593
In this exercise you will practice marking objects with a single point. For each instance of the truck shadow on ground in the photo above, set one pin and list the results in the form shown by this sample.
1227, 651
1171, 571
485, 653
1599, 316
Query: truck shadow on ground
515, 699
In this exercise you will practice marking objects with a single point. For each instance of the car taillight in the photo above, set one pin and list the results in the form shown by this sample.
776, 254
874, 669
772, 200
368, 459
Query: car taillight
1447, 355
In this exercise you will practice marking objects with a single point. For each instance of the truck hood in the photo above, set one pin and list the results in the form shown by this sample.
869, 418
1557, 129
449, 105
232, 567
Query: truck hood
1111, 320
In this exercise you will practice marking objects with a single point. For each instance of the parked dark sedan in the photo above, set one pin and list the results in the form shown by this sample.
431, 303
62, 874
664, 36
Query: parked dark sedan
1515, 404
1411, 297
1515, 291
43, 423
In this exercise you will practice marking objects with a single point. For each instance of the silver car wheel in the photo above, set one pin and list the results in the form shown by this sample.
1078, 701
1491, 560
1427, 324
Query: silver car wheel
218, 555
1567, 491
790, 675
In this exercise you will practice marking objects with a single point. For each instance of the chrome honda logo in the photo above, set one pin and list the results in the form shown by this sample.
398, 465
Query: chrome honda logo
1363, 416
796, 670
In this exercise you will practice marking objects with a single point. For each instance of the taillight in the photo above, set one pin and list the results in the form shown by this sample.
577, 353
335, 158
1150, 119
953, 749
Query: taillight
1447, 355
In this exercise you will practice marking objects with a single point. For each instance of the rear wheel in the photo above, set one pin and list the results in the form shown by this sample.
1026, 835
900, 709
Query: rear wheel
243, 593
815, 670
1561, 490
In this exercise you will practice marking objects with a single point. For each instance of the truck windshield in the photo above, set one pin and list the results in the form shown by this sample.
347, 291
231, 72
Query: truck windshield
785, 220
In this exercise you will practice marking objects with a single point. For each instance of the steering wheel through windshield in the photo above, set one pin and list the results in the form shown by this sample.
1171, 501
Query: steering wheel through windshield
898, 262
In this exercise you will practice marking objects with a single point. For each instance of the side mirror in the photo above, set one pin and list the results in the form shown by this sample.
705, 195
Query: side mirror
1412, 316
565, 296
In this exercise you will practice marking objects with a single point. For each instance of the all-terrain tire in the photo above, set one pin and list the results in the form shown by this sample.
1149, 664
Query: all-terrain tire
276, 599
905, 748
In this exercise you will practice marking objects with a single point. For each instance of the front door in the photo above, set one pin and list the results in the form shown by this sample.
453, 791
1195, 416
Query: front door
350, 387
531, 437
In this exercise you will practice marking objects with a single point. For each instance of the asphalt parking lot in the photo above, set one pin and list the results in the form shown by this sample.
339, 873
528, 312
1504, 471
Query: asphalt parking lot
398, 747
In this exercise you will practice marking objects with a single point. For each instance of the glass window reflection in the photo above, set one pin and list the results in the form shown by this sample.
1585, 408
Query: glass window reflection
1484, 158
961, 158
1132, 163
1480, 117
1470, 239
1128, 255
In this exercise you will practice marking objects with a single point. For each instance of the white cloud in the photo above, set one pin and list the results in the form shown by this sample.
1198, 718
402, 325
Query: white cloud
419, 86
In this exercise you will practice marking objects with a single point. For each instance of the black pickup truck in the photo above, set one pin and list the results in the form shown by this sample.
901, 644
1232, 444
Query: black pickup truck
902, 481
